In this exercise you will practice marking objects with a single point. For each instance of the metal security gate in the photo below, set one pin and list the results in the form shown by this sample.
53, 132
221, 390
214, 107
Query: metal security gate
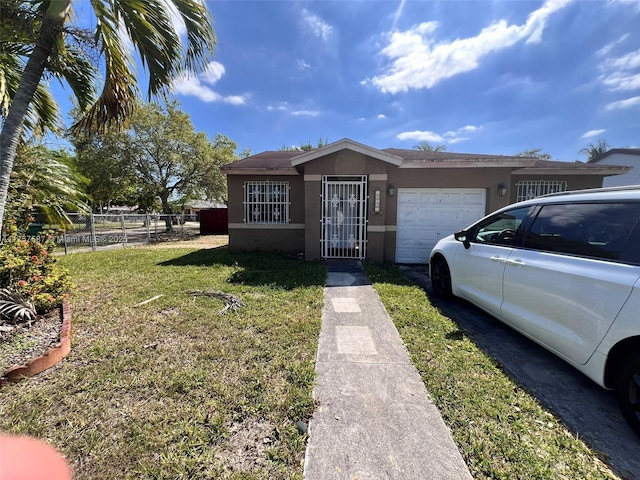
344, 217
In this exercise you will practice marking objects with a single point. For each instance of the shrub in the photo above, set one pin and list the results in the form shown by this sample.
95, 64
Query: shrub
29, 269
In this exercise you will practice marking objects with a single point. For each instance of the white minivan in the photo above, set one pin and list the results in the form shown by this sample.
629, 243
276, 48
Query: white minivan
564, 270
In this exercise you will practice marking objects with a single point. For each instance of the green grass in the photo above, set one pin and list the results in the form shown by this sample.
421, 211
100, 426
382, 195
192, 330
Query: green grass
501, 430
172, 389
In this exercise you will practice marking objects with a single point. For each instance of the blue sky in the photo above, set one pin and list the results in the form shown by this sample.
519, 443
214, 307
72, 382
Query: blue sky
495, 77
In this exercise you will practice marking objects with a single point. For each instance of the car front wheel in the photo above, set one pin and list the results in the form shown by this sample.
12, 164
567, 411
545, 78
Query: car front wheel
628, 390
440, 277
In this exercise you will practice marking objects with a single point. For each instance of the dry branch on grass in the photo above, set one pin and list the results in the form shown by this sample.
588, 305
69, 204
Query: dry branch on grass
232, 301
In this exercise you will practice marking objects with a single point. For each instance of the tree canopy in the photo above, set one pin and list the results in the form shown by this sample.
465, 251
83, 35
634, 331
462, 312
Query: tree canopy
152, 28
534, 153
304, 147
428, 147
160, 156
593, 151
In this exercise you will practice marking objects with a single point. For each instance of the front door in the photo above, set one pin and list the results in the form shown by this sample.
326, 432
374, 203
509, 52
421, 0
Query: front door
344, 217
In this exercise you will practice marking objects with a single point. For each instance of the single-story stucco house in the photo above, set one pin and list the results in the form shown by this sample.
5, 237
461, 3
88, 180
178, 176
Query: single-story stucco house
193, 208
349, 200
629, 157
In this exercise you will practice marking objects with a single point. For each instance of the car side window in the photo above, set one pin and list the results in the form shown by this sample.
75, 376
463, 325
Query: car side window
502, 229
596, 230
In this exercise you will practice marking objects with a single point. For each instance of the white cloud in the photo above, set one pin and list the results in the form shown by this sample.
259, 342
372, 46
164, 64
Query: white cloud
626, 62
214, 72
302, 65
622, 104
447, 137
382, 115
318, 27
288, 109
633, 3
305, 113
398, 14
593, 133
419, 61
419, 135
619, 81
191, 85
610, 46
618, 74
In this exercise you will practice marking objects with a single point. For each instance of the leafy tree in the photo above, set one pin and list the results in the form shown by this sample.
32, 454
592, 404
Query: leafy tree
427, 147
110, 177
150, 28
304, 147
44, 181
594, 151
534, 153
162, 157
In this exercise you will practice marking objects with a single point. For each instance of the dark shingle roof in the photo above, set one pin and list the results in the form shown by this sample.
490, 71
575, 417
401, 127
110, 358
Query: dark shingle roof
414, 156
279, 162
265, 161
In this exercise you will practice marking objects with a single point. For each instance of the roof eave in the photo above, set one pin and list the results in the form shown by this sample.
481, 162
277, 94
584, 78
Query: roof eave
573, 171
259, 171
348, 144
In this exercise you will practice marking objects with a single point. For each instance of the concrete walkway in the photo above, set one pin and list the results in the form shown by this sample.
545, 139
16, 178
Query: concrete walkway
374, 418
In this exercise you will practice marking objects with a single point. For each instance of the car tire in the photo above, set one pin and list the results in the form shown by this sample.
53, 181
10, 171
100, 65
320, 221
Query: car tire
440, 277
627, 387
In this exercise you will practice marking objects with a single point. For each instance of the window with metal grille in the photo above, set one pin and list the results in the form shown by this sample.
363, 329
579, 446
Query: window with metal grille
532, 189
266, 202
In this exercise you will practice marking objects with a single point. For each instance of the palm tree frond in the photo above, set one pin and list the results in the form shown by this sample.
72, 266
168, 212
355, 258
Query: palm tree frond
15, 308
79, 72
201, 38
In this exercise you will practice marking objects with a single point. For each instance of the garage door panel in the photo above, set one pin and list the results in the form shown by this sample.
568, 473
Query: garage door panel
427, 215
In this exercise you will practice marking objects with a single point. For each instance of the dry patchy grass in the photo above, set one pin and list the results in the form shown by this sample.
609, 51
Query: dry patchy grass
172, 389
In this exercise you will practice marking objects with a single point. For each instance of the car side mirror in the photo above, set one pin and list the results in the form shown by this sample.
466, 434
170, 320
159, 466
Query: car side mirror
462, 236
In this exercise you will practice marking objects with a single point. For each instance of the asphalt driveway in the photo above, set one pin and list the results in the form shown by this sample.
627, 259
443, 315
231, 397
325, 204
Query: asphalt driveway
589, 411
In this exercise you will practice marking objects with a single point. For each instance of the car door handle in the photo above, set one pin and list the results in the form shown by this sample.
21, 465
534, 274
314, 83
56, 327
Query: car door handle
517, 263
498, 259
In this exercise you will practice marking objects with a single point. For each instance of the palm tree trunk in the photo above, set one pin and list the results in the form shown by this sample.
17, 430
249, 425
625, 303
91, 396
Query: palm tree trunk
14, 121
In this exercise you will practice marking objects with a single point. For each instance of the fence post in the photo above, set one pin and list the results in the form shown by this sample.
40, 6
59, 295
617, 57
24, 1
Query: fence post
182, 226
124, 231
94, 241
64, 241
147, 221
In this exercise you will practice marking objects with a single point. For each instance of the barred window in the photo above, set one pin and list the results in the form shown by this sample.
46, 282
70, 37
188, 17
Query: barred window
532, 189
266, 202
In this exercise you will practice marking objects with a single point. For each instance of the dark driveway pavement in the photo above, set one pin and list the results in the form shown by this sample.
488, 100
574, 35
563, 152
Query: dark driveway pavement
589, 411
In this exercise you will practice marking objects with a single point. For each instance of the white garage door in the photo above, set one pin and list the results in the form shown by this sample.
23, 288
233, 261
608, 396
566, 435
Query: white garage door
425, 215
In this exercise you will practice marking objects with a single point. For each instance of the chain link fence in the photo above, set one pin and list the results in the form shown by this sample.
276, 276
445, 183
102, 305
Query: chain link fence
94, 231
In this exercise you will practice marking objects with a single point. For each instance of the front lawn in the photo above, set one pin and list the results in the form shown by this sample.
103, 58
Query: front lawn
172, 389
500, 429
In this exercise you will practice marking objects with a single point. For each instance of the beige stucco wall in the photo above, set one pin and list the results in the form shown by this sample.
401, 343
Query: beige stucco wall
344, 163
303, 232
255, 237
